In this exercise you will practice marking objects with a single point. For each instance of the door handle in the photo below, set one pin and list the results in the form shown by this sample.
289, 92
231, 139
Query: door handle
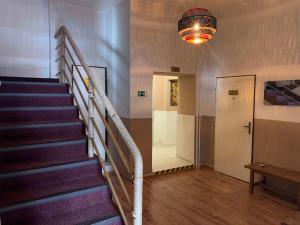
249, 127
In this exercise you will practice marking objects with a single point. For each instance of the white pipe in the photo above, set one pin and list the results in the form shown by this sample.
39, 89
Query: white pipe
137, 156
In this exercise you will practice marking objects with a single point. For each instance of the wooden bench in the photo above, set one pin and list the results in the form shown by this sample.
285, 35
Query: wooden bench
267, 170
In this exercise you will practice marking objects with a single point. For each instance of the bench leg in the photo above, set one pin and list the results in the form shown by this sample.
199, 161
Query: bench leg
251, 184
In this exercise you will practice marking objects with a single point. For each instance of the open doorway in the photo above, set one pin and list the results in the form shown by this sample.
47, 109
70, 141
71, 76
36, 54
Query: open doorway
173, 121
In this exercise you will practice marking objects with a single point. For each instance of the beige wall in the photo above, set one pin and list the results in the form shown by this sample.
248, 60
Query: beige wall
264, 42
156, 46
162, 93
187, 95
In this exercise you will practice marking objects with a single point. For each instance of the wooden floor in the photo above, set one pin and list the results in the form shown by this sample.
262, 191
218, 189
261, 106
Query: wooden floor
202, 197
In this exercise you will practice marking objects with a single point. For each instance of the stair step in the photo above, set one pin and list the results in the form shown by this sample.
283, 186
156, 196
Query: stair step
28, 79
38, 114
33, 87
82, 207
27, 157
38, 184
18, 135
27, 100
46, 176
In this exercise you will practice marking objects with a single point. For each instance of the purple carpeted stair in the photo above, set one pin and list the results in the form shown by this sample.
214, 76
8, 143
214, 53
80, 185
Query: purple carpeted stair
46, 177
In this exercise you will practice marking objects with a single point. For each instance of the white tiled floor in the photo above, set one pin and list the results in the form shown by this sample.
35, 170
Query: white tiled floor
164, 157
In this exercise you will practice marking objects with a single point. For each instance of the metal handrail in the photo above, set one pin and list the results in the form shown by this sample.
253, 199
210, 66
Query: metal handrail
64, 35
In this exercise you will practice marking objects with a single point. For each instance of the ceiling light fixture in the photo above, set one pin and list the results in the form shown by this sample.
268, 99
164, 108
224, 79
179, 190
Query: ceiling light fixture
197, 26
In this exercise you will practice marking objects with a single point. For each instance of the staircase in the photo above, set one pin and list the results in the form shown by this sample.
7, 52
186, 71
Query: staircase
46, 177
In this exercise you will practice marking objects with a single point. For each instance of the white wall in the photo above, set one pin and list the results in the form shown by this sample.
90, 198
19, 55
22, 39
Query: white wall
24, 42
264, 42
88, 27
186, 137
101, 32
104, 40
164, 115
119, 72
164, 128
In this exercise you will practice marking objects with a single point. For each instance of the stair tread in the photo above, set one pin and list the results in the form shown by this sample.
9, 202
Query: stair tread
37, 108
13, 94
40, 141
26, 166
29, 123
26, 134
30, 79
33, 87
37, 83
37, 156
31, 100
24, 125
84, 209
38, 115
25, 188
46, 144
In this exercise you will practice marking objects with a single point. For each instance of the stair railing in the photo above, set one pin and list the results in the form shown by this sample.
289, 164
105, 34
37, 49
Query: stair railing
65, 44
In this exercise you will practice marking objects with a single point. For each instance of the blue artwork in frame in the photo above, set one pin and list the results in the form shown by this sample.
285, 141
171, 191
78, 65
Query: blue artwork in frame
285, 92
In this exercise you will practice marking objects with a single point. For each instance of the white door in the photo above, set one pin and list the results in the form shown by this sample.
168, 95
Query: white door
234, 125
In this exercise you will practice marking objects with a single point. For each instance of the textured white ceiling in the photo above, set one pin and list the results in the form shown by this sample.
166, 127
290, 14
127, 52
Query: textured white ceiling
220, 8
93, 4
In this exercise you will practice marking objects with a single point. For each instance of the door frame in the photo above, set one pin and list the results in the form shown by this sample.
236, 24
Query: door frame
105, 91
254, 101
197, 127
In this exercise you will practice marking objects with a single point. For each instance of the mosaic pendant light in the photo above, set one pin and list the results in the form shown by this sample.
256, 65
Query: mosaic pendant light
197, 26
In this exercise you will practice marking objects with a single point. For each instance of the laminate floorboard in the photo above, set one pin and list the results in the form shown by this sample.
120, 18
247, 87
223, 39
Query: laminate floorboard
203, 197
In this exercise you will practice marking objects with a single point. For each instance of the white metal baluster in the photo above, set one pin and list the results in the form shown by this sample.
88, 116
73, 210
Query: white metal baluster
90, 122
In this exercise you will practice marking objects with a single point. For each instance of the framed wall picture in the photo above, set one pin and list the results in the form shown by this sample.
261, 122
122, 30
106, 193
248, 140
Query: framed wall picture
174, 93
285, 92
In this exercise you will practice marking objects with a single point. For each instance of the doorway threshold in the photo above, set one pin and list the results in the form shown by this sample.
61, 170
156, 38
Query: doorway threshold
177, 169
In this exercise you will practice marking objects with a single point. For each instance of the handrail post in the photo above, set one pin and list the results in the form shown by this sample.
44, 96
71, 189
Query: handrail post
90, 121
62, 65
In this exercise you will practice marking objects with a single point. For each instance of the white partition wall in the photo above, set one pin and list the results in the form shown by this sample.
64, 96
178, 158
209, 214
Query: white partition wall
164, 115
99, 74
186, 137
186, 118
